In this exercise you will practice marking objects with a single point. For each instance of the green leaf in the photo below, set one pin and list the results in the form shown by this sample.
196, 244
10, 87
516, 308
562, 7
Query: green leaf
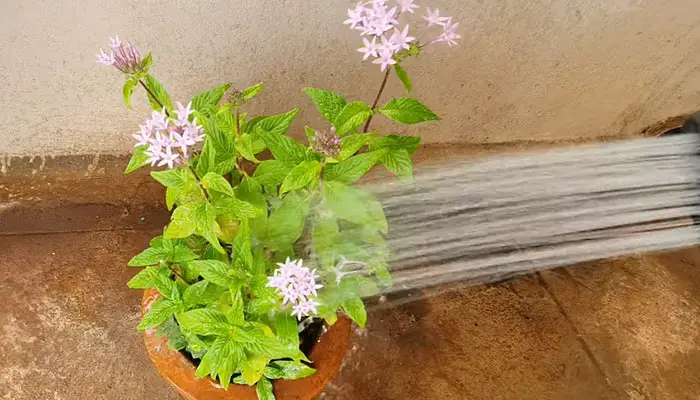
232, 358
216, 182
286, 223
271, 172
310, 133
182, 253
150, 256
142, 280
283, 148
264, 390
395, 142
331, 318
264, 343
159, 312
324, 236
205, 321
242, 247
403, 77
357, 286
202, 292
206, 102
128, 91
180, 228
352, 143
171, 195
352, 169
222, 359
250, 191
147, 61
355, 205
209, 364
287, 370
287, 330
407, 111
399, 162
137, 160
206, 226
207, 158
169, 178
162, 281
329, 104
351, 117
235, 314
170, 329
244, 145
252, 368
216, 272
157, 90
277, 124
182, 223
238, 209
226, 121
252, 91
301, 176
355, 309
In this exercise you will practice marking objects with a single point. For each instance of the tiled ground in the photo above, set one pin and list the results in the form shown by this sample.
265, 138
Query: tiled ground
625, 329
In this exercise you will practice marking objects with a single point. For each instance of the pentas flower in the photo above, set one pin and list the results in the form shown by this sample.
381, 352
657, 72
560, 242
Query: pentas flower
169, 140
400, 39
434, 18
371, 49
123, 56
406, 6
326, 143
449, 33
296, 284
376, 18
386, 58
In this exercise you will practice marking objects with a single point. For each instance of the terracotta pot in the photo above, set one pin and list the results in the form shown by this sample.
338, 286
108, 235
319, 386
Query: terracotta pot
326, 355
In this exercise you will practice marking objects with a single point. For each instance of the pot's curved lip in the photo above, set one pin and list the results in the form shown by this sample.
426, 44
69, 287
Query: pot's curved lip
327, 356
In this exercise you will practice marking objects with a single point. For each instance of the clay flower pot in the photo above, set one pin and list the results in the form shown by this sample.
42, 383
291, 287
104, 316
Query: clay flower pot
326, 355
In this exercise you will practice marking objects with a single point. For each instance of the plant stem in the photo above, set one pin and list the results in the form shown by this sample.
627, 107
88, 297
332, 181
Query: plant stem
174, 271
376, 100
238, 121
153, 96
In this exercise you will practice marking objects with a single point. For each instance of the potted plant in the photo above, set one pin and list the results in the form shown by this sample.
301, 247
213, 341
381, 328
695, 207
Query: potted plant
268, 240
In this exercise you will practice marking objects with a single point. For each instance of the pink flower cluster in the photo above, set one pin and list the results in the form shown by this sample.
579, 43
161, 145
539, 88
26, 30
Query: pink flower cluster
168, 139
327, 143
376, 20
123, 56
296, 284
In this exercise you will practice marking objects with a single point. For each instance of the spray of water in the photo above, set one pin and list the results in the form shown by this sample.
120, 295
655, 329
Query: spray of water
506, 216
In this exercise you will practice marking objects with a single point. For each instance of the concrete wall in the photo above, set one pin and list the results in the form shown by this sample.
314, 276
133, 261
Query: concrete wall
525, 70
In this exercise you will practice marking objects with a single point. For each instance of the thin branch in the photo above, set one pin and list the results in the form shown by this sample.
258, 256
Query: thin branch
153, 96
238, 121
376, 99
174, 271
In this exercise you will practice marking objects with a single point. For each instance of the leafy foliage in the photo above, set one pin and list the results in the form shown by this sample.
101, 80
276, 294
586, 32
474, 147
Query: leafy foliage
351, 117
407, 111
403, 77
229, 227
329, 104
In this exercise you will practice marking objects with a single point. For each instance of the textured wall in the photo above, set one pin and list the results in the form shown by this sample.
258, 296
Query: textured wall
525, 69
